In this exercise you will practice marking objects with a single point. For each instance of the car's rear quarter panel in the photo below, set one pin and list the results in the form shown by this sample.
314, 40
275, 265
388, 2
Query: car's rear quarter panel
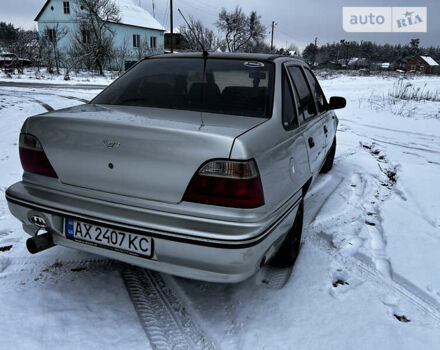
281, 154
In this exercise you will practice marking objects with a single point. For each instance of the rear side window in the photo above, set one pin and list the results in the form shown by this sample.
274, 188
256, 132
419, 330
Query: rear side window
225, 86
306, 106
317, 91
290, 118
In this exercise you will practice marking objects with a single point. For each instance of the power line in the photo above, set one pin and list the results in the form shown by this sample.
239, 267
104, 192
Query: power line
285, 34
206, 6
199, 10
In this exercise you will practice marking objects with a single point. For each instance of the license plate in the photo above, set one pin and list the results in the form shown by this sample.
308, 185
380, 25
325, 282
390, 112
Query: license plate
108, 238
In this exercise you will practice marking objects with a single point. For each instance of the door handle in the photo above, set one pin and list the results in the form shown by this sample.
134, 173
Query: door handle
325, 129
311, 142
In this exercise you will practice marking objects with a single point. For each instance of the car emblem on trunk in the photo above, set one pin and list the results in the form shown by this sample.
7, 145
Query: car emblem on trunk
111, 144
38, 221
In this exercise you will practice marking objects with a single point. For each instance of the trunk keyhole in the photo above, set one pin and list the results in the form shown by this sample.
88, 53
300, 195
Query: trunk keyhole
110, 165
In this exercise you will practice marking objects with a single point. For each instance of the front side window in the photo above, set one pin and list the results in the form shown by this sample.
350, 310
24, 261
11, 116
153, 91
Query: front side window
224, 86
136, 40
66, 6
317, 91
306, 106
153, 43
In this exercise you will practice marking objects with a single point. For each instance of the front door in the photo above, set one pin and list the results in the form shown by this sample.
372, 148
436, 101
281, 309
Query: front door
327, 117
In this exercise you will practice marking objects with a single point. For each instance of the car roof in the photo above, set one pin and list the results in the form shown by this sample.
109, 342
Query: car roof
229, 55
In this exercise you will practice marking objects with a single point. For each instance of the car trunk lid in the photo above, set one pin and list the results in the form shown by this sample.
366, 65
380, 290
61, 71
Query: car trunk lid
148, 153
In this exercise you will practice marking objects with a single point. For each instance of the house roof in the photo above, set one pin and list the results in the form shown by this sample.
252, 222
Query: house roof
135, 15
130, 14
430, 60
42, 10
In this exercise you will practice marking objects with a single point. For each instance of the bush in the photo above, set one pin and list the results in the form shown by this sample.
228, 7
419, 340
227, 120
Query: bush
404, 90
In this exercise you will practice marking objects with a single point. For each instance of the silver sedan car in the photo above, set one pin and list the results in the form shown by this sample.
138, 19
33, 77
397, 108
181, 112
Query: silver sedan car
188, 164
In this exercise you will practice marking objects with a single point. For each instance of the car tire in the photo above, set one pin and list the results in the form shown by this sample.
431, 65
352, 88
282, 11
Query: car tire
328, 164
289, 250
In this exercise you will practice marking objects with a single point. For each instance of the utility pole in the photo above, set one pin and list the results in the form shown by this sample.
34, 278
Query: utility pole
171, 26
315, 51
271, 40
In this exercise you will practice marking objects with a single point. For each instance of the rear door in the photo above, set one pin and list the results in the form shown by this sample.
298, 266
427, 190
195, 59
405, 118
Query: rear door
314, 127
327, 117
297, 166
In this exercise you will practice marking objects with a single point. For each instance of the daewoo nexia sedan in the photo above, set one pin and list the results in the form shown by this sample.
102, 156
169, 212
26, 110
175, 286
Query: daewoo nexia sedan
189, 164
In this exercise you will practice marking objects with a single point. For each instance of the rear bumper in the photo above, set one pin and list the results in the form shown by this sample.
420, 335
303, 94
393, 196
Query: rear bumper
189, 246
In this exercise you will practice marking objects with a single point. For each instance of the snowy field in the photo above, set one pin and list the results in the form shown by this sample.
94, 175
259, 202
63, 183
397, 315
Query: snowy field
31, 75
367, 276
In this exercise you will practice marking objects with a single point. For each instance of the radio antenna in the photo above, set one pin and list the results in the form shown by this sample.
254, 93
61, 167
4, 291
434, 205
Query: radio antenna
205, 53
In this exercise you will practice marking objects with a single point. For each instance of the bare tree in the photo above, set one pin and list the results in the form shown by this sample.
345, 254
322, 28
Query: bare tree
239, 29
51, 53
26, 46
142, 49
121, 54
259, 46
93, 42
199, 33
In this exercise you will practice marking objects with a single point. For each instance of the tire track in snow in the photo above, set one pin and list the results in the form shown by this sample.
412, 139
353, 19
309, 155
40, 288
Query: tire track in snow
417, 147
374, 221
273, 277
166, 320
422, 135
377, 268
20, 273
361, 265
45, 105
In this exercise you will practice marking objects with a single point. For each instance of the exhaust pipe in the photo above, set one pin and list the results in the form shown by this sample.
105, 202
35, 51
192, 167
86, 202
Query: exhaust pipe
39, 243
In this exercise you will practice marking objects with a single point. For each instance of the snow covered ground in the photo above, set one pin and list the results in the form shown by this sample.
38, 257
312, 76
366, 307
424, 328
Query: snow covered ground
30, 75
367, 276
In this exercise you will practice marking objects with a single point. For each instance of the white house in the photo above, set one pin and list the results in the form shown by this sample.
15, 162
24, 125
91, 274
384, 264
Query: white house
136, 27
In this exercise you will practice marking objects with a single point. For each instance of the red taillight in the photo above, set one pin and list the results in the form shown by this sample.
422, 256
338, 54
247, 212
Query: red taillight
227, 183
32, 156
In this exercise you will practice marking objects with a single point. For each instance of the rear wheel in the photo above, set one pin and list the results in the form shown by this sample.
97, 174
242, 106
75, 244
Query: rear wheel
328, 164
289, 250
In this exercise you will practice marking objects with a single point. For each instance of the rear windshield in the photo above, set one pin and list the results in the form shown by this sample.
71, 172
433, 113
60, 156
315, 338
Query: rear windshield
228, 86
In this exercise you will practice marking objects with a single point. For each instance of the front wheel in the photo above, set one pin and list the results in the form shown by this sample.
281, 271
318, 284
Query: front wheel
289, 250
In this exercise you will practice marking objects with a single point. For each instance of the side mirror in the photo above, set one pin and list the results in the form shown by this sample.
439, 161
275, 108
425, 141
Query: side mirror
336, 102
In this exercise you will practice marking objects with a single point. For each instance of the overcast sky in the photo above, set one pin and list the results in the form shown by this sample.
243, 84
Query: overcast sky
297, 21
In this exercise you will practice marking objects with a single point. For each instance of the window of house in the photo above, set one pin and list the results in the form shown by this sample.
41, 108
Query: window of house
66, 6
85, 36
306, 106
153, 43
136, 40
413, 67
422, 68
290, 118
51, 34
